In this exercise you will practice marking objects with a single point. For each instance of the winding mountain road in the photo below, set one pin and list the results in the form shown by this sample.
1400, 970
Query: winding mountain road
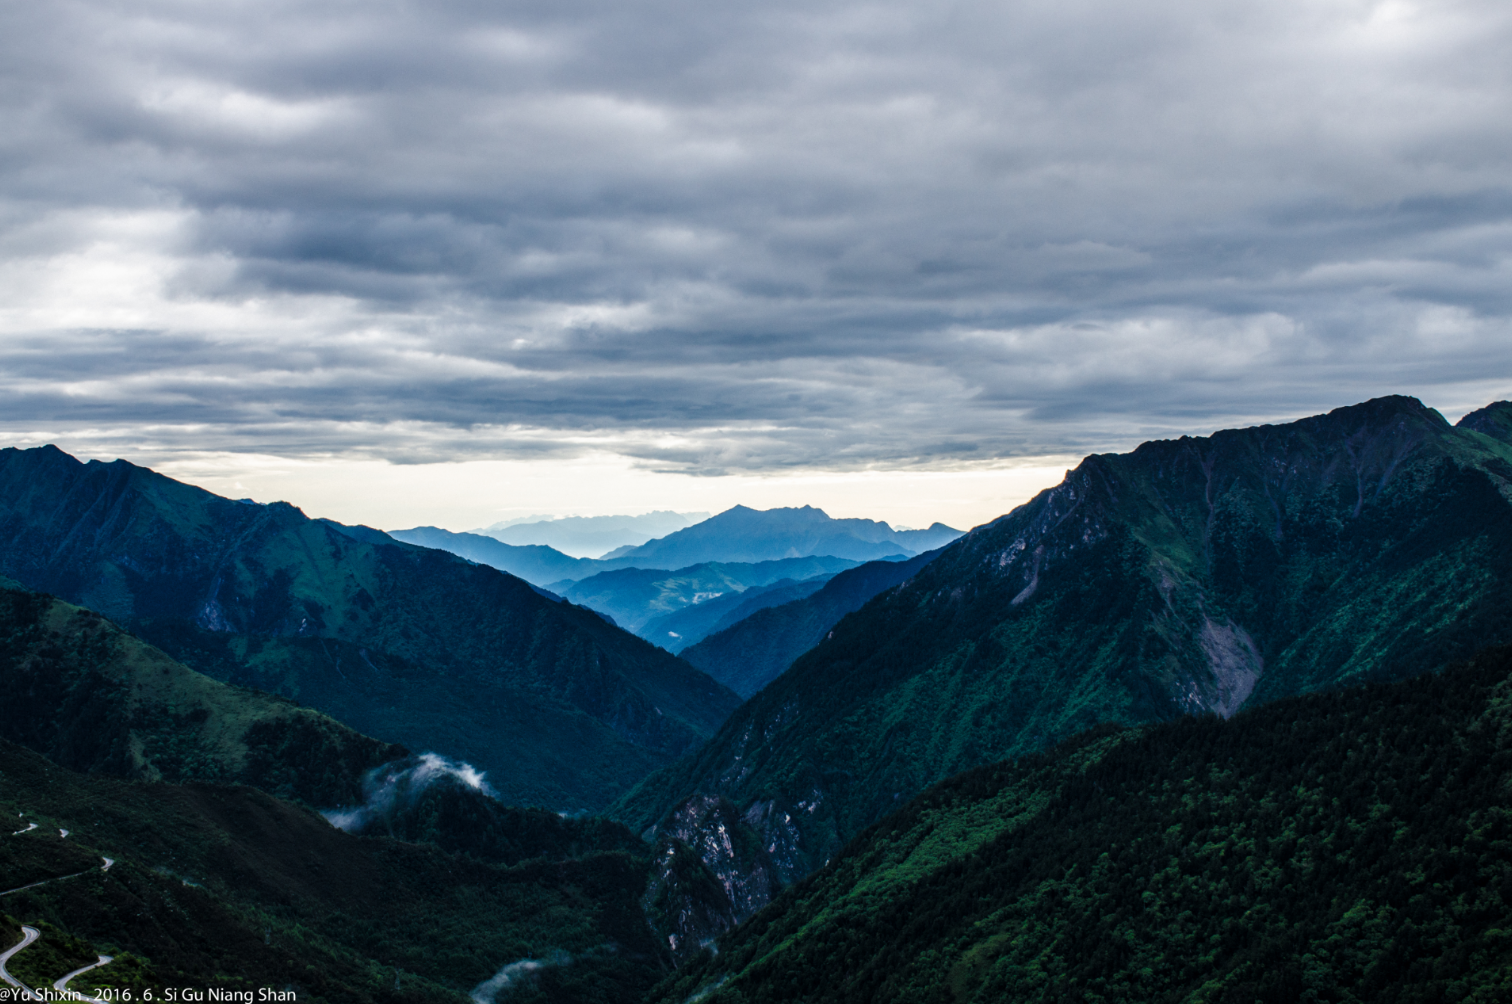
28, 935
61, 985
59, 878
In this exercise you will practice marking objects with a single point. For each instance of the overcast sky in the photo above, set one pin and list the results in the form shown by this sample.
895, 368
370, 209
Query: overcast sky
767, 242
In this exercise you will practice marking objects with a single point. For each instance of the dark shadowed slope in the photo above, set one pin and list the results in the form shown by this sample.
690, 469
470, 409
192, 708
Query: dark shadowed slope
80, 691
752, 652
1191, 575
742, 534
184, 884
1350, 847
426, 799
1494, 422
401, 642
228, 887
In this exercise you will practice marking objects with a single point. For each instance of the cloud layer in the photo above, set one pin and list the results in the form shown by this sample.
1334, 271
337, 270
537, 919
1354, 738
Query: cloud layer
723, 238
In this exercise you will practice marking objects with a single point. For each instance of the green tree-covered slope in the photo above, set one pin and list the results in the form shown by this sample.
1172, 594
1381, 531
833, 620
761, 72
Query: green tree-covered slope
400, 642
1191, 575
80, 691
227, 887
1352, 846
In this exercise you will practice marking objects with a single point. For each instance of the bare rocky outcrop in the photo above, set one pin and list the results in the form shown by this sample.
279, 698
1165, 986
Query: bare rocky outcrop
712, 872
1235, 663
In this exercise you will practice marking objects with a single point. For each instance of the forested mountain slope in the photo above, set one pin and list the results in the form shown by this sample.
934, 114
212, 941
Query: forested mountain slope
402, 643
85, 694
1193, 575
1354, 846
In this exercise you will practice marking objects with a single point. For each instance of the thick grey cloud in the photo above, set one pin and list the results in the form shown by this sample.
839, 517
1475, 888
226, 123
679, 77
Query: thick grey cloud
724, 237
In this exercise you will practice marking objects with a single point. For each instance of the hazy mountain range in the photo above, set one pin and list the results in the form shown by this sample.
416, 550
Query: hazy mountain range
535, 563
742, 534
678, 630
737, 535
638, 598
699, 564
590, 536
1161, 733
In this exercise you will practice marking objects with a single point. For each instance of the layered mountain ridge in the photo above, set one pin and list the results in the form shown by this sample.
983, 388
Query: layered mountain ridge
404, 643
734, 550
681, 628
638, 597
738, 535
538, 564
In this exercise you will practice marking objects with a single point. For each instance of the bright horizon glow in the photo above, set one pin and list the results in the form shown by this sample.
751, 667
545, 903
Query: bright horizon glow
470, 494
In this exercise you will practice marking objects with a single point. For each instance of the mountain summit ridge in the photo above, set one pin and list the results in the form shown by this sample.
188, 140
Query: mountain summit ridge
741, 533
1193, 575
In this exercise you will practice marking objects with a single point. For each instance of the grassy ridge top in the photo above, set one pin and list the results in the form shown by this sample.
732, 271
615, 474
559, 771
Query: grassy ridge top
1350, 846
92, 697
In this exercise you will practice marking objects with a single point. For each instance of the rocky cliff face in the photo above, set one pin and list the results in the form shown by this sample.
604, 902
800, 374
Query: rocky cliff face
716, 866
1198, 575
